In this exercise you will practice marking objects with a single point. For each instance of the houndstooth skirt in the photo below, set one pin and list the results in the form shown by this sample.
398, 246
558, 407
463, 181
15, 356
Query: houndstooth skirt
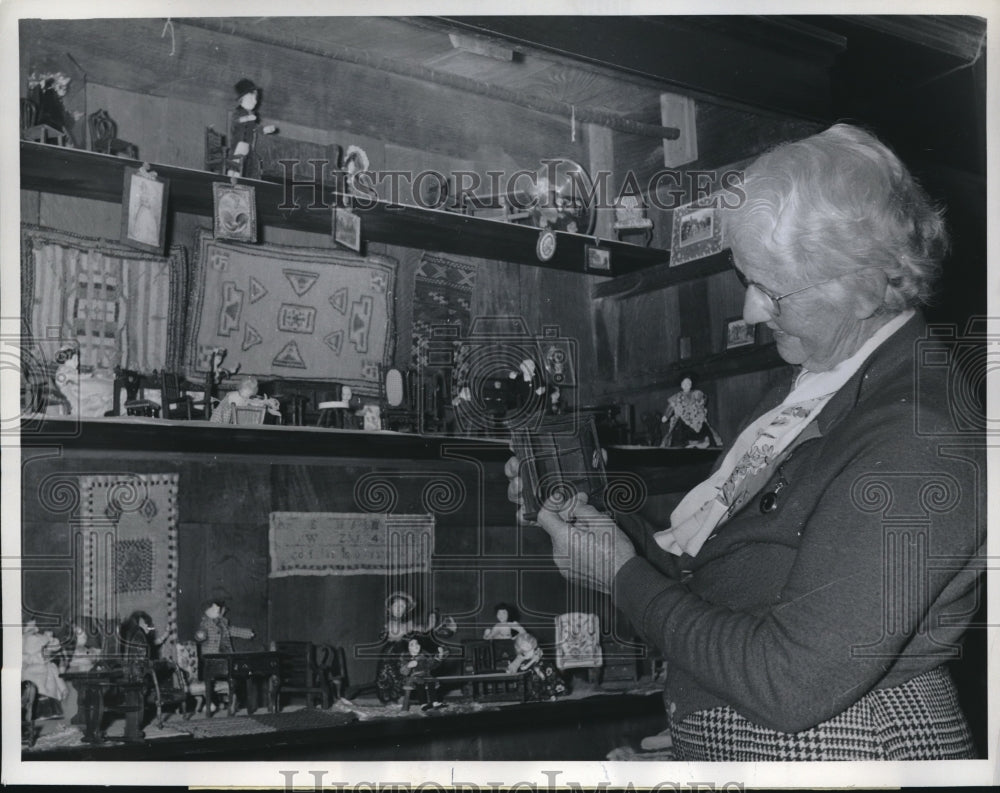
918, 720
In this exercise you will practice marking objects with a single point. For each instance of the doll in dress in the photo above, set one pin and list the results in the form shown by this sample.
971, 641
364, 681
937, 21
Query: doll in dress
38, 649
544, 682
686, 418
506, 625
417, 665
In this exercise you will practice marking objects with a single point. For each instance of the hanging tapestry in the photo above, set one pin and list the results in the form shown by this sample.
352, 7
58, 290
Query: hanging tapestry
345, 543
292, 313
118, 306
129, 550
442, 298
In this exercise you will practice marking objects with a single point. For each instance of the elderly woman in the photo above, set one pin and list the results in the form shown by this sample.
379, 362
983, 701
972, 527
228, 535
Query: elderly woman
808, 594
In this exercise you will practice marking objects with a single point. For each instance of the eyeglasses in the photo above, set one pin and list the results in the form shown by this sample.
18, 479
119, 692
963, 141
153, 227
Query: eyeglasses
774, 301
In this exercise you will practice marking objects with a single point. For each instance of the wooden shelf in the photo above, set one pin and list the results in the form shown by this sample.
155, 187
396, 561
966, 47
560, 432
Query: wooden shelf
662, 275
54, 169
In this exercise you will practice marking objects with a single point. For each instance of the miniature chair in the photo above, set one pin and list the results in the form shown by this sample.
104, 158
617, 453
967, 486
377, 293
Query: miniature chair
300, 672
40, 133
187, 664
135, 402
29, 694
216, 151
578, 643
103, 131
174, 401
170, 687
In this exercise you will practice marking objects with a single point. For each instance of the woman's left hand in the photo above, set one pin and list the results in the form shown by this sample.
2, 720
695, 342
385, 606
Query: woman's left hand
587, 545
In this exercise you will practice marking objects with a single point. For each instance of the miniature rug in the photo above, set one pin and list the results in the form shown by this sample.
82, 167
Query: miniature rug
348, 543
307, 719
128, 538
118, 306
292, 313
442, 303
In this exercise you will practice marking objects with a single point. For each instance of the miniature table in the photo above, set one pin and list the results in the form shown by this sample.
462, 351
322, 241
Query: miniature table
253, 667
98, 690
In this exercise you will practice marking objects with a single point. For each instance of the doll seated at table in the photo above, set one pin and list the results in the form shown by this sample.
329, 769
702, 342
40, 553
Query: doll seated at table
244, 396
417, 665
544, 682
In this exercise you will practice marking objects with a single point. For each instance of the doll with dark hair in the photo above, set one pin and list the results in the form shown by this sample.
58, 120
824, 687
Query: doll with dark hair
506, 625
244, 130
417, 665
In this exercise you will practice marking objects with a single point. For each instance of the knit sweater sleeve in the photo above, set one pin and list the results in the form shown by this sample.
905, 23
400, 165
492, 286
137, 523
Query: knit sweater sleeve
240, 633
810, 655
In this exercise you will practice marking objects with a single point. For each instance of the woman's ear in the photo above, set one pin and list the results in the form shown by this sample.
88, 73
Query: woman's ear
869, 296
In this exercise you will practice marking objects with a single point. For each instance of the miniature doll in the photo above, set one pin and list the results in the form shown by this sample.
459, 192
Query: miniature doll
401, 619
686, 417
399, 608
138, 641
417, 665
215, 633
244, 129
37, 666
544, 681
244, 396
506, 625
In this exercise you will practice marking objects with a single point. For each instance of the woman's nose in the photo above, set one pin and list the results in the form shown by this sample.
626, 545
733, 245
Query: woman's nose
756, 307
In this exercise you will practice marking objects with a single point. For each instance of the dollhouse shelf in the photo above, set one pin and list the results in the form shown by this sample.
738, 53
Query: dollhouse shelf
74, 172
199, 437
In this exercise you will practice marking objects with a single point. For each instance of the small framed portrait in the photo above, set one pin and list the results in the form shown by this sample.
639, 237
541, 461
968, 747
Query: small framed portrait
347, 228
739, 333
235, 212
597, 260
697, 232
144, 210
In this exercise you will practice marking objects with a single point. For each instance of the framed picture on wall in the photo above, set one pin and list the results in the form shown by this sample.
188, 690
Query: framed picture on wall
696, 232
144, 210
347, 228
739, 333
235, 212
597, 260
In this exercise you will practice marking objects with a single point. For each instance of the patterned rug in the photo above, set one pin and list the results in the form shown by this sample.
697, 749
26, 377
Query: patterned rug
292, 313
442, 297
129, 533
119, 306
307, 719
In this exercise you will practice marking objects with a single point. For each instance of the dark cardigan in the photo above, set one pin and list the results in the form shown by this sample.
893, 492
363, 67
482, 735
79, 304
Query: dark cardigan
862, 578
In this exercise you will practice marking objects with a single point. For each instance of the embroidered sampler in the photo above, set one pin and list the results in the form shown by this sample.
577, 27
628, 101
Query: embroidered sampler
129, 550
292, 313
119, 306
347, 543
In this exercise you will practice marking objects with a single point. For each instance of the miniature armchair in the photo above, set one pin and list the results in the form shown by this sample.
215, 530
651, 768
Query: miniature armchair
103, 132
578, 643
187, 664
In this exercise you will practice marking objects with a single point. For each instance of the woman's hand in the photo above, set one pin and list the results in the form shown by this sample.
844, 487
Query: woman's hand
587, 545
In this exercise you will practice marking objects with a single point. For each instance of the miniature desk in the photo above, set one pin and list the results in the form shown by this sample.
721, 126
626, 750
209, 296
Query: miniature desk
108, 689
255, 668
